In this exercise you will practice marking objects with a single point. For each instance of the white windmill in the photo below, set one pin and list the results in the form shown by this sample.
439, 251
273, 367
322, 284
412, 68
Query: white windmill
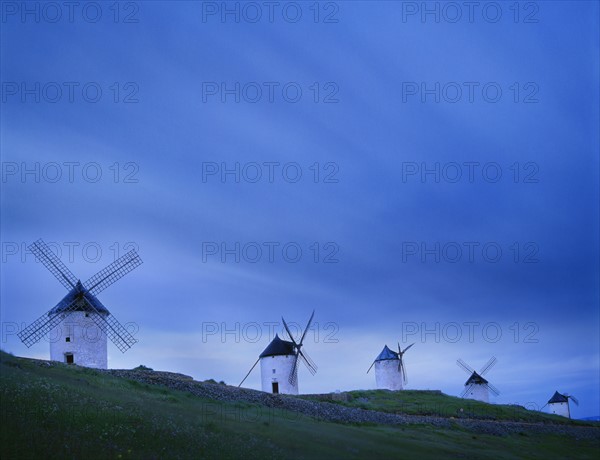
390, 371
279, 363
476, 387
79, 323
558, 404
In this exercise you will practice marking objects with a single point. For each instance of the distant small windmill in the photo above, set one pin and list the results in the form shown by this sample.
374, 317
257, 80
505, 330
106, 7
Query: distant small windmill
476, 387
279, 363
390, 371
559, 404
84, 341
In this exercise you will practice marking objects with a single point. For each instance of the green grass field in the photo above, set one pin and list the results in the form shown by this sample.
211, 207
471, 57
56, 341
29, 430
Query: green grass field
435, 403
65, 411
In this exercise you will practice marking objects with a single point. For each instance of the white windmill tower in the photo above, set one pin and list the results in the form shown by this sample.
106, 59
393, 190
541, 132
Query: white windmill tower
79, 323
279, 363
476, 387
390, 372
558, 404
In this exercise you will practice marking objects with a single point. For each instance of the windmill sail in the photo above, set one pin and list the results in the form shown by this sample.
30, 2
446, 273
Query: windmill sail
114, 330
33, 333
401, 367
293, 379
113, 272
491, 363
467, 389
572, 398
308, 362
60, 271
468, 369
405, 350
251, 369
493, 389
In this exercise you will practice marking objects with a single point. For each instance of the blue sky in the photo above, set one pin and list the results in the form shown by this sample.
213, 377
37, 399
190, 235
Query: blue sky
370, 139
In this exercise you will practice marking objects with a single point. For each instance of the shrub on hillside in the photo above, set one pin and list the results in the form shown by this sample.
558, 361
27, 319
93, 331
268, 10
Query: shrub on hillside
141, 367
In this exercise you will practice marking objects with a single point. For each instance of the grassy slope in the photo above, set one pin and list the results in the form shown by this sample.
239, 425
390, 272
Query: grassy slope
67, 411
435, 403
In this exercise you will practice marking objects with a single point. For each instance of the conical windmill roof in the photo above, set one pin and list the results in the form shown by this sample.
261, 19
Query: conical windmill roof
558, 398
81, 306
278, 347
386, 353
476, 379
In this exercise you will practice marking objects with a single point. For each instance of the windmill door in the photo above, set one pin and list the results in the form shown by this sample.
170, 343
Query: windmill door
69, 358
275, 387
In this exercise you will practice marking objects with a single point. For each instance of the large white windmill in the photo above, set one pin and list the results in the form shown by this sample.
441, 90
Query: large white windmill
79, 323
390, 371
476, 387
279, 363
558, 404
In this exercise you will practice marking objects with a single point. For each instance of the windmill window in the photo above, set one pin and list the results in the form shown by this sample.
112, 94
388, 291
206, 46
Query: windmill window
87, 315
67, 339
273, 371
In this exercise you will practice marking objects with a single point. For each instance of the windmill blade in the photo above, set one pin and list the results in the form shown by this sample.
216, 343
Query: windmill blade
468, 369
294, 375
113, 272
466, 390
288, 331
574, 399
114, 330
540, 409
309, 360
370, 367
60, 271
311, 366
400, 352
493, 389
404, 378
251, 369
491, 363
307, 327
33, 333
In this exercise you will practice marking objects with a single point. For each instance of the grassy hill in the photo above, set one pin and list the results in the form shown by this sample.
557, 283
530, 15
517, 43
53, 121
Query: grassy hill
52, 410
435, 403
